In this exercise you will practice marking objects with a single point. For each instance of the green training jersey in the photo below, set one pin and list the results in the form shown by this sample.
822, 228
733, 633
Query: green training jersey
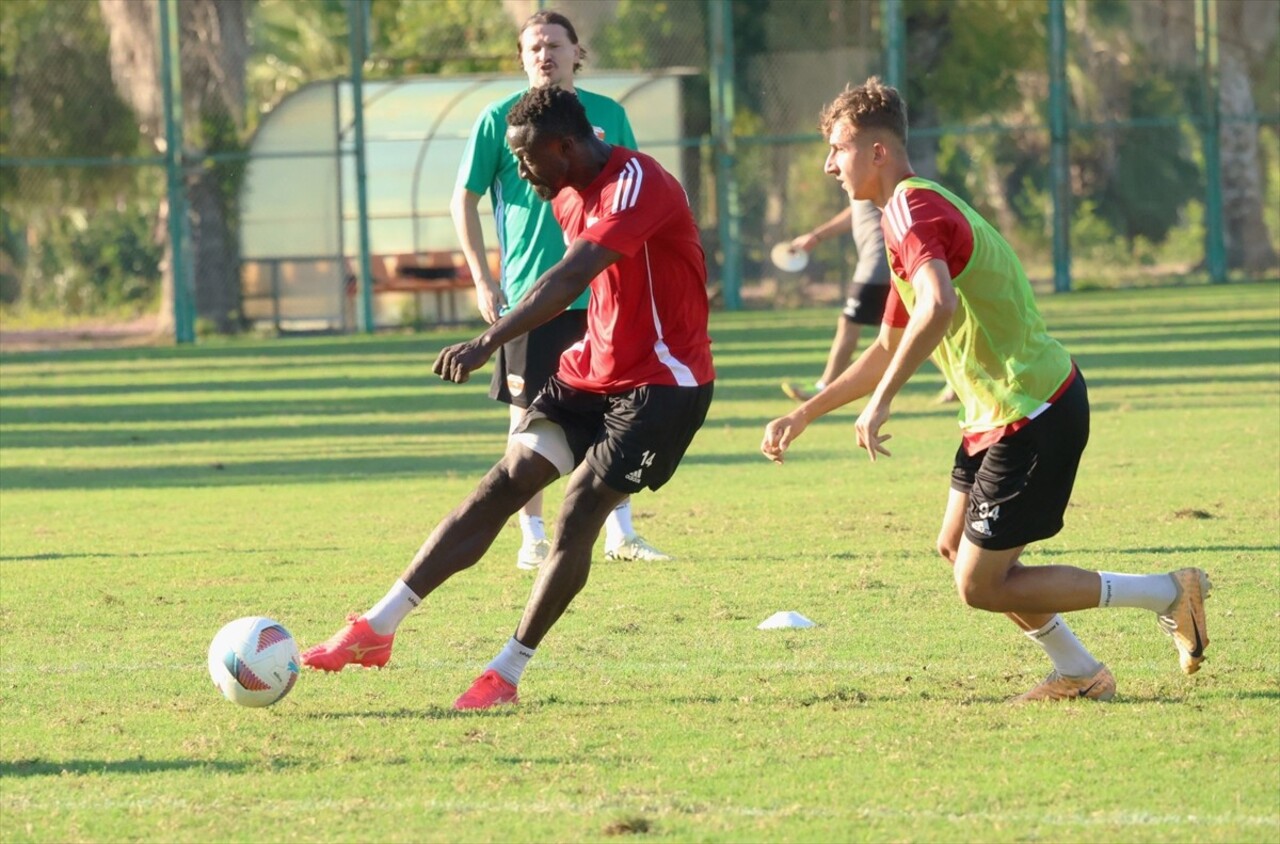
529, 239
997, 354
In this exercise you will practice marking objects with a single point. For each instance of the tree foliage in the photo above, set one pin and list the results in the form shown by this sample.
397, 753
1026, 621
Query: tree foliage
59, 103
1136, 149
648, 34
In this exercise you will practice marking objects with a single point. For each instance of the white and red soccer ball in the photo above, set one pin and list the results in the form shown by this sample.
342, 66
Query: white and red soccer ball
253, 661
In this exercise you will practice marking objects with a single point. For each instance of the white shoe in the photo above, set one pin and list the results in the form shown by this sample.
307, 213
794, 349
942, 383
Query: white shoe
635, 548
533, 554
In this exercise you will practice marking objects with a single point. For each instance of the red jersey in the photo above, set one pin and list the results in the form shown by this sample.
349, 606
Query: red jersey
647, 321
919, 226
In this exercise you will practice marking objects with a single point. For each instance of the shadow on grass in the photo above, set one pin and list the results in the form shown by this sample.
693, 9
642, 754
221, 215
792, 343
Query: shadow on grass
222, 552
248, 472
1253, 694
370, 389
426, 713
1162, 549
48, 768
422, 345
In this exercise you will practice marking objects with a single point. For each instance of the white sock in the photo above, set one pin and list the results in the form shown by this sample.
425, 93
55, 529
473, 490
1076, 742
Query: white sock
1155, 592
387, 614
819, 385
1068, 655
532, 528
618, 528
511, 662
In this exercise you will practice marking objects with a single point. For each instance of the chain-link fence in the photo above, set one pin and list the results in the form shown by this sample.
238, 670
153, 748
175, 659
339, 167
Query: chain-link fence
1112, 143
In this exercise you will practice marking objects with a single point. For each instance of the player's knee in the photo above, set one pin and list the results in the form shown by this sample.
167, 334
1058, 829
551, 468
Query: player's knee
525, 474
508, 484
976, 594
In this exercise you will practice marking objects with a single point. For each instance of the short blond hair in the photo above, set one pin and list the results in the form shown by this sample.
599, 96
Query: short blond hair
871, 105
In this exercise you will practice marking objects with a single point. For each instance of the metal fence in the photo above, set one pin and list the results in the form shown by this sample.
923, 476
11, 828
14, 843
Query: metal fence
1112, 143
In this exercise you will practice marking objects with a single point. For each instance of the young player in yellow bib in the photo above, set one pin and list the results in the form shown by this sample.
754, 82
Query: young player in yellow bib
960, 295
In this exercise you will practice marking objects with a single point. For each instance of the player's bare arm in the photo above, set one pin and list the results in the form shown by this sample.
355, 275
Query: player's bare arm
465, 209
855, 382
553, 292
837, 225
936, 303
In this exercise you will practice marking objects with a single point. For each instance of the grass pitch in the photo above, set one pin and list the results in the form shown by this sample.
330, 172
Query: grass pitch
149, 496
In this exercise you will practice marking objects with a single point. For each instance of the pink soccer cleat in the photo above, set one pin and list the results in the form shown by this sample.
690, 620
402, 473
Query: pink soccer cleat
489, 690
355, 643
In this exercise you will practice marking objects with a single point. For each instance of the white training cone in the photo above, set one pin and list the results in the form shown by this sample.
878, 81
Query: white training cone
784, 619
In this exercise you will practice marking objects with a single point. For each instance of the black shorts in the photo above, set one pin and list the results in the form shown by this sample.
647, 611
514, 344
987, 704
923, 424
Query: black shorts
1019, 488
522, 367
866, 302
631, 440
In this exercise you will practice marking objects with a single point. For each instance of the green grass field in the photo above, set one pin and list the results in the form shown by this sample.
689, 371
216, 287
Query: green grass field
149, 496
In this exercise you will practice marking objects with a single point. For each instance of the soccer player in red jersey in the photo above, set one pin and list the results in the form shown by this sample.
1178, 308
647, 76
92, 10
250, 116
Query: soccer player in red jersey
960, 295
621, 410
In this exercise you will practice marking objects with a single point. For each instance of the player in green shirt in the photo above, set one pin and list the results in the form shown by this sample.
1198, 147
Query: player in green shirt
960, 295
530, 242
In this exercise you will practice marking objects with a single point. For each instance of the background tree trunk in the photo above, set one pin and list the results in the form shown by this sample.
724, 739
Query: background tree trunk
214, 54
133, 30
1247, 32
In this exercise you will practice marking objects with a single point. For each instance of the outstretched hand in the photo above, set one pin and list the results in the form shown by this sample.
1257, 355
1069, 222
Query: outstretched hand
867, 429
804, 243
779, 434
456, 363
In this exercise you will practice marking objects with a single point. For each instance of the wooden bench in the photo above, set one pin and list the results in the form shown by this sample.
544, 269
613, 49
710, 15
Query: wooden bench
440, 273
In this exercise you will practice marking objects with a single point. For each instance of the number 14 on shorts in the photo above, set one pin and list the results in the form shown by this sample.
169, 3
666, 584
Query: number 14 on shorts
646, 460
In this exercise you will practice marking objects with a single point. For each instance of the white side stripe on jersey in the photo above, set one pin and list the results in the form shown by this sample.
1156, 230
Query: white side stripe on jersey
627, 190
684, 375
499, 213
899, 215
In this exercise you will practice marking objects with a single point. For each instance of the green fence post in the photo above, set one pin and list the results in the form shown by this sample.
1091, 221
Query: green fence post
1210, 123
356, 38
1059, 146
894, 43
720, 15
179, 226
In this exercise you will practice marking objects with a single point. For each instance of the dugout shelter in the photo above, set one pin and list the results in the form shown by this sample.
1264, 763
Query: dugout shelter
299, 241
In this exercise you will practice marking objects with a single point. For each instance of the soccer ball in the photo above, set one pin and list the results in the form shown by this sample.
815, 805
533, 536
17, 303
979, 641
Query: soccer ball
253, 661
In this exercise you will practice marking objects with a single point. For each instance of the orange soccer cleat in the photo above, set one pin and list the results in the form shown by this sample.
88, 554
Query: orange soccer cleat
489, 690
1100, 685
355, 643
1185, 620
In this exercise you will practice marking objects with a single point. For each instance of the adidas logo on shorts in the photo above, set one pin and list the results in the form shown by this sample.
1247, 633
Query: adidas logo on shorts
634, 477
986, 515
